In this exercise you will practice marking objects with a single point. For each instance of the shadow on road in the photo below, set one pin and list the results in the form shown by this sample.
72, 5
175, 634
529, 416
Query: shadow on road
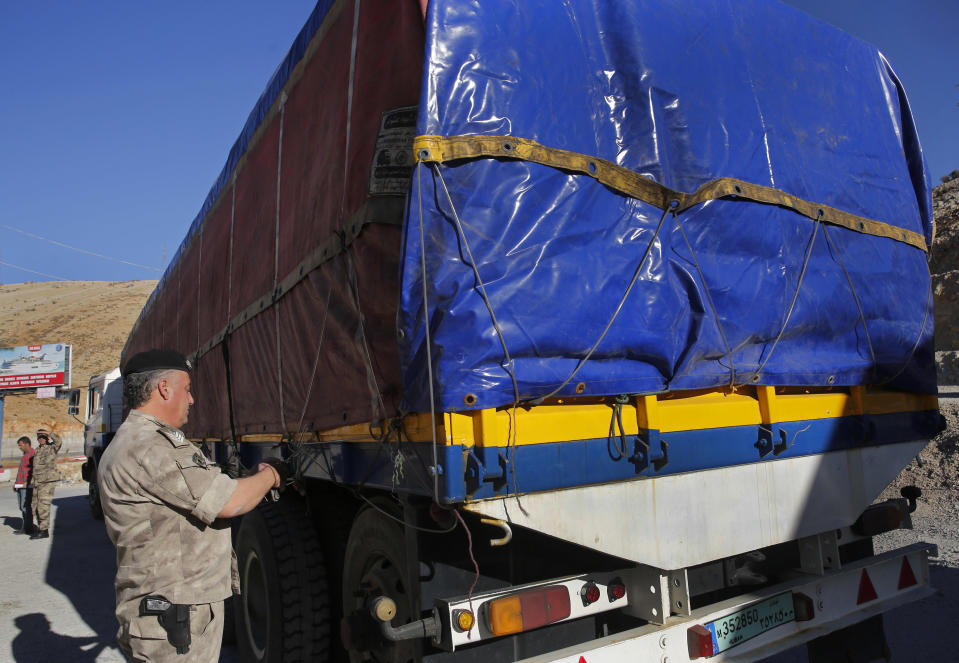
916, 631
36, 641
13, 522
81, 566
922, 631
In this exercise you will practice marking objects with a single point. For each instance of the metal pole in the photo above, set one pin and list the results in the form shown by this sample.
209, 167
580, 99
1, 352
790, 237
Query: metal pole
1, 427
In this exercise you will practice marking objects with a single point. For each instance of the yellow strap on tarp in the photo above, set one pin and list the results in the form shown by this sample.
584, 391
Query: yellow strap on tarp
442, 149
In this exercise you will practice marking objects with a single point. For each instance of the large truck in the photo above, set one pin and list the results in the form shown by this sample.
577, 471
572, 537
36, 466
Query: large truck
591, 332
102, 415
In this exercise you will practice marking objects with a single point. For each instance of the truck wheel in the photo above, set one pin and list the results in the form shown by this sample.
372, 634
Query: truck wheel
93, 497
282, 614
229, 621
376, 565
229, 611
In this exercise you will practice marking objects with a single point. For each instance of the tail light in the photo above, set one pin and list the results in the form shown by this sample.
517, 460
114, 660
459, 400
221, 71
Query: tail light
529, 610
589, 593
616, 590
877, 519
700, 642
463, 620
803, 607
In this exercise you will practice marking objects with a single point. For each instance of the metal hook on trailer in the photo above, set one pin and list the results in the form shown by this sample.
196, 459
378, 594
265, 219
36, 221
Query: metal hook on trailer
502, 524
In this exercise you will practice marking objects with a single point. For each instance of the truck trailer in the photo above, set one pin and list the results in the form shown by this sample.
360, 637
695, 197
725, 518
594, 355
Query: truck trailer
592, 331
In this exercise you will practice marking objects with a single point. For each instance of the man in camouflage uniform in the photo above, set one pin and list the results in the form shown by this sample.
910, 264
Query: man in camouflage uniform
163, 502
46, 476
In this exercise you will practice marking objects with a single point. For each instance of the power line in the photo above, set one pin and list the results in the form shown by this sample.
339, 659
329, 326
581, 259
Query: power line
73, 248
51, 276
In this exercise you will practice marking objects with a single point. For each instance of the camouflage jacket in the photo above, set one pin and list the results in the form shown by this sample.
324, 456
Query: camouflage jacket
160, 498
45, 467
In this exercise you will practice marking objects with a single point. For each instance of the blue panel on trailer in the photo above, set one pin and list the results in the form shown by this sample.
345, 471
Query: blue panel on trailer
482, 472
397, 468
552, 466
681, 95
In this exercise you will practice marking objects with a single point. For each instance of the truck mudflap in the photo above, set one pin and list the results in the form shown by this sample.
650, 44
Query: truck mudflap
753, 626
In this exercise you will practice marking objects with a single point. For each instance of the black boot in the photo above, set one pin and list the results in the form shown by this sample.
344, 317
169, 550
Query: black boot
20, 531
40, 534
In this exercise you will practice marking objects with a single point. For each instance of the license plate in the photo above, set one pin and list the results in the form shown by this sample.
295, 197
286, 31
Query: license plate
753, 620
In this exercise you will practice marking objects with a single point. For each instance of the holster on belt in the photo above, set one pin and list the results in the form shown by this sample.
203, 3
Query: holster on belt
173, 617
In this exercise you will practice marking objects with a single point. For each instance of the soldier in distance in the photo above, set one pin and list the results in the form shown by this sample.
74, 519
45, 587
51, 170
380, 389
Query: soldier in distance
46, 476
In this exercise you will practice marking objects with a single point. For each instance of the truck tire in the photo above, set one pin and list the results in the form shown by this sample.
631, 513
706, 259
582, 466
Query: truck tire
229, 611
229, 621
376, 565
93, 495
282, 613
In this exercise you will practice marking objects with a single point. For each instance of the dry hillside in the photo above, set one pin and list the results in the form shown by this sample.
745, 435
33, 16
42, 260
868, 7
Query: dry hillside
944, 265
940, 460
93, 316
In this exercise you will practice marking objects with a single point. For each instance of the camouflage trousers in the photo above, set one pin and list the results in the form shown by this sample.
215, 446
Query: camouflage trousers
42, 497
143, 640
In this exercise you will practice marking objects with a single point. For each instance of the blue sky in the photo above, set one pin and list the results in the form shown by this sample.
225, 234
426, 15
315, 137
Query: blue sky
919, 39
116, 117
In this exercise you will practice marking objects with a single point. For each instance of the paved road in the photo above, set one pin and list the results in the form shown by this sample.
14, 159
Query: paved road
58, 592
57, 599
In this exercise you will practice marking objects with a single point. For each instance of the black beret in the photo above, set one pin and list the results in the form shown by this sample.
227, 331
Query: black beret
156, 360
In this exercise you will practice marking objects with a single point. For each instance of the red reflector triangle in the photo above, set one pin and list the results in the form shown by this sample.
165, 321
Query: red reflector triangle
582, 659
906, 577
866, 591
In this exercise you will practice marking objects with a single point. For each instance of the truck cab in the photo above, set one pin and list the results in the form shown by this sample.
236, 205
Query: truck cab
102, 416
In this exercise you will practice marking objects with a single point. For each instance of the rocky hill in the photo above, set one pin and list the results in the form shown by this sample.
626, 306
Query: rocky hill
92, 316
944, 265
936, 467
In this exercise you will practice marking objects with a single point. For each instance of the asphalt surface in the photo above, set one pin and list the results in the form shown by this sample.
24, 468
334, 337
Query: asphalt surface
57, 599
57, 603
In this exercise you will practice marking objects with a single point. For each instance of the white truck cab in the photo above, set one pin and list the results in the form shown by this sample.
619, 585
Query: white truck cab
102, 416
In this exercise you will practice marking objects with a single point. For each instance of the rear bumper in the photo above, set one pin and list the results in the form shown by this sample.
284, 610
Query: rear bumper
837, 596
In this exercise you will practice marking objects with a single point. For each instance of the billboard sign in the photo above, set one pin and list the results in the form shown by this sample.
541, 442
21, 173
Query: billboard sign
32, 366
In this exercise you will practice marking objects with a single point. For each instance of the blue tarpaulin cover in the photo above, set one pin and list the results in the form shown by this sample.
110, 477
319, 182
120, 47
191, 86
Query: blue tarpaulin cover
680, 93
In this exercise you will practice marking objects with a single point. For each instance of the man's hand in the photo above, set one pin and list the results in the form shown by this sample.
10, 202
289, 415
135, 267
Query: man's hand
281, 468
251, 489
